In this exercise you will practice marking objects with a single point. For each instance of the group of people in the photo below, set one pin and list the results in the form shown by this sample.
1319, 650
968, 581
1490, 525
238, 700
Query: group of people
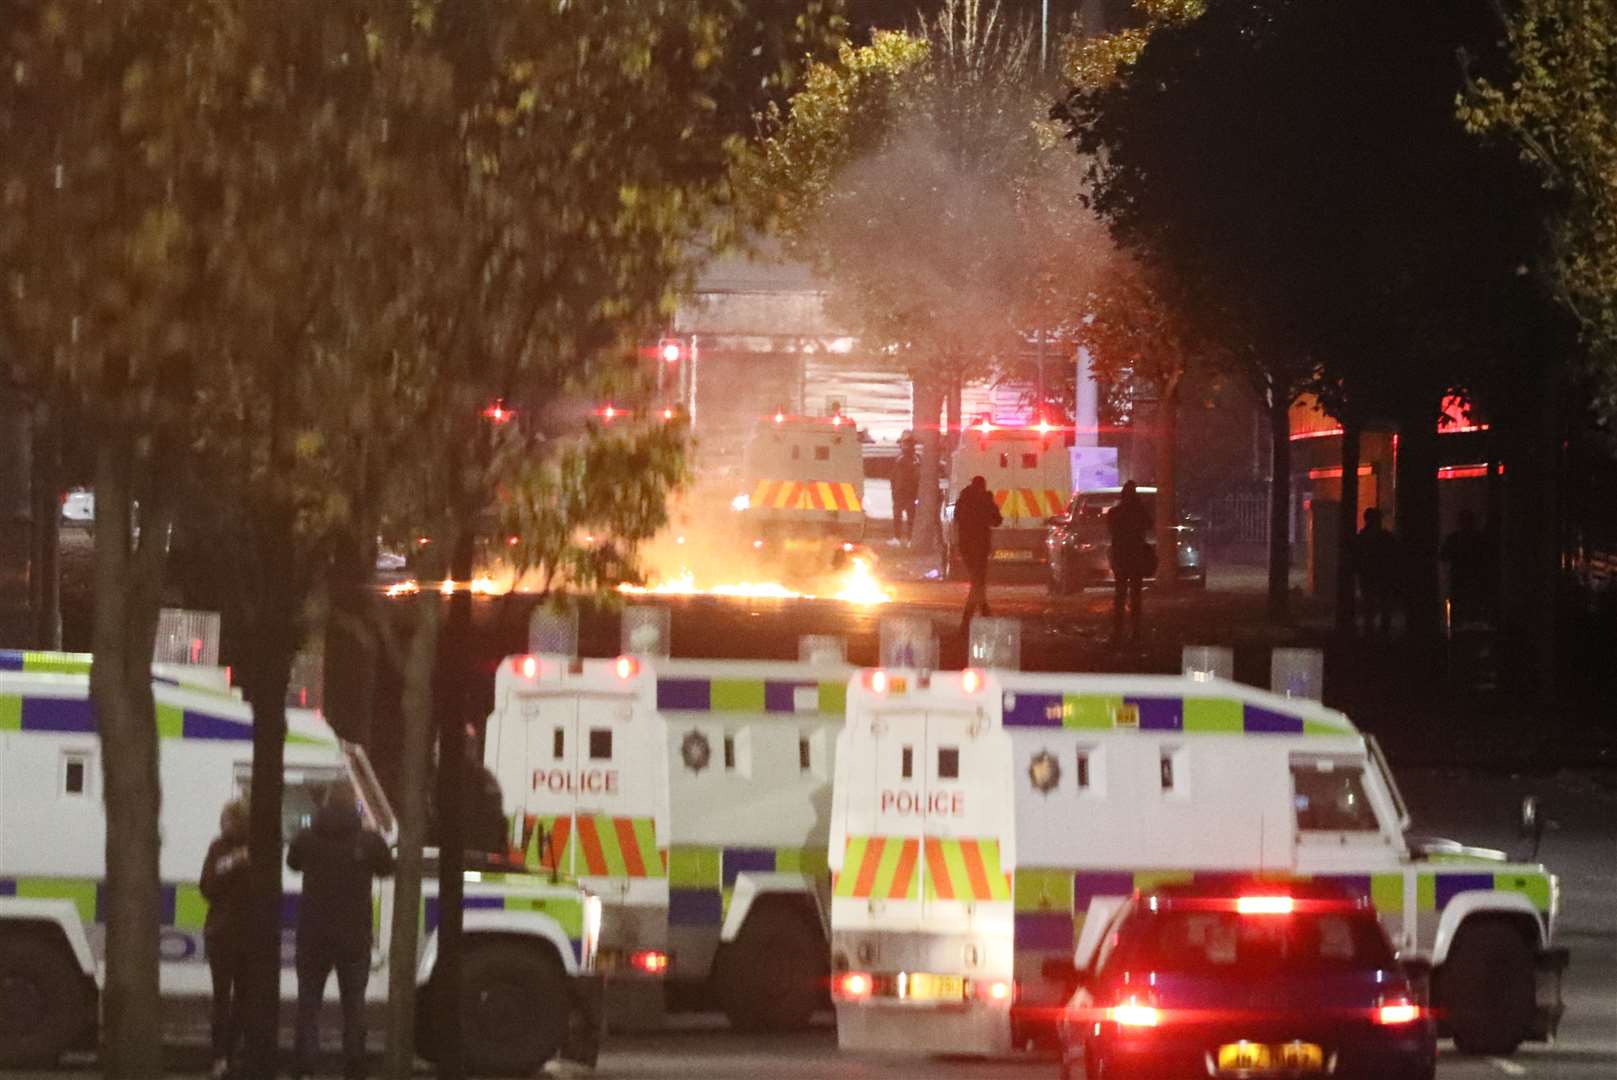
339, 860
1379, 567
1133, 558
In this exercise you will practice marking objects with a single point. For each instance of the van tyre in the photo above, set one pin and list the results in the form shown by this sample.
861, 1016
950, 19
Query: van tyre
773, 977
44, 1003
514, 1008
1487, 988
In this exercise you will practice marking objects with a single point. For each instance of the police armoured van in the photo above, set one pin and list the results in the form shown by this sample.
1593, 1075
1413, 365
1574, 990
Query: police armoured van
1029, 473
986, 822
52, 867
803, 482
697, 803
579, 752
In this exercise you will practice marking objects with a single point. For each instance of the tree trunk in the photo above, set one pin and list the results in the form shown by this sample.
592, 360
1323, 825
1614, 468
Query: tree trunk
957, 421
45, 582
271, 624
404, 945
1418, 524
350, 654
1167, 504
925, 538
450, 684
1279, 603
128, 586
1347, 527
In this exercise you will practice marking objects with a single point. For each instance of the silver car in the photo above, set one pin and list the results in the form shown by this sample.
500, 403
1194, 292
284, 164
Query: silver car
1079, 545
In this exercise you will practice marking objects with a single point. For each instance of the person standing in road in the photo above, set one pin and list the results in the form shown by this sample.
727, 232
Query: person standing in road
224, 886
338, 860
975, 516
1376, 565
1133, 560
906, 487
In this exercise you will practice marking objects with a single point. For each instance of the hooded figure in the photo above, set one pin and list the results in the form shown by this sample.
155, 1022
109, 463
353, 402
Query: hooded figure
976, 515
225, 887
338, 860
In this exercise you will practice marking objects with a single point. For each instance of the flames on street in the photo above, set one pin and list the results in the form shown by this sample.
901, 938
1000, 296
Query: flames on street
856, 585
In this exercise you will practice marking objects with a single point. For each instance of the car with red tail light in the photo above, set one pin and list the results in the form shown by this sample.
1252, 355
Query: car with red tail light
1249, 978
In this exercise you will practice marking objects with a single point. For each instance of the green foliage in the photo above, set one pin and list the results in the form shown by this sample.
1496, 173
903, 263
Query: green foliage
1559, 104
1092, 61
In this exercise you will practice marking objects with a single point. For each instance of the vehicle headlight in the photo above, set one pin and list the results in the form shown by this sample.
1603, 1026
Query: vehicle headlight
1188, 555
741, 502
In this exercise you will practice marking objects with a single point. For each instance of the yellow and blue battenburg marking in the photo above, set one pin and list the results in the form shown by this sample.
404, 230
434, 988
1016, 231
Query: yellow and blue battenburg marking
751, 696
702, 878
1188, 714
41, 712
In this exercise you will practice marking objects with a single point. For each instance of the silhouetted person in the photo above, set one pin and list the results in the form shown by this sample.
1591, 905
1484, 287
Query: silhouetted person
975, 515
1129, 525
338, 860
905, 488
1470, 558
225, 887
1376, 566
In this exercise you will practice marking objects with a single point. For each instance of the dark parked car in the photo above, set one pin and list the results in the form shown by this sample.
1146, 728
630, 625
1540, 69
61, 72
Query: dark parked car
1247, 979
1079, 547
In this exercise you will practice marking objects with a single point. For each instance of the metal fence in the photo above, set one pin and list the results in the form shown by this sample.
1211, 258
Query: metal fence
1238, 518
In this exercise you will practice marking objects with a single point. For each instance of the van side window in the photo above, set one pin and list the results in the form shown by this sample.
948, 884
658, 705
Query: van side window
729, 752
906, 766
822, 453
1030, 461
1328, 796
600, 744
558, 743
948, 763
1165, 764
804, 762
1082, 771
1004, 460
75, 774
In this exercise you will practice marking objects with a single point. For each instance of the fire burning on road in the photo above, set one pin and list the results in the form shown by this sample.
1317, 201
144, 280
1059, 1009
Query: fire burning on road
856, 585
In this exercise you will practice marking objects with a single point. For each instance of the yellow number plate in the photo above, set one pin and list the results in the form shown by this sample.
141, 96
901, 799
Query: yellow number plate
923, 987
1013, 555
1263, 1057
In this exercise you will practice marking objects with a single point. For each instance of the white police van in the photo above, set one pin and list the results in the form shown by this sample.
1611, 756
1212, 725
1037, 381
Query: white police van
987, 822
529, 940
695, 799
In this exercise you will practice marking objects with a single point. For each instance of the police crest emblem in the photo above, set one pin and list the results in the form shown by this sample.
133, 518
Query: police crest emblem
1044, 772
695, 751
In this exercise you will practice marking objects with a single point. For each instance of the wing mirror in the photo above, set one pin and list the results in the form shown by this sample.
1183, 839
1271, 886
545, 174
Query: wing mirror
1532, 824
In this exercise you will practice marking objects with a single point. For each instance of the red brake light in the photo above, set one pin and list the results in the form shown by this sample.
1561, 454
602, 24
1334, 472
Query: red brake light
1133, 1014
1265, 905
876, 681
627, 667
780, 418
649, 961
526, 666
996, 991
971, 680
852, 986
1397, 1010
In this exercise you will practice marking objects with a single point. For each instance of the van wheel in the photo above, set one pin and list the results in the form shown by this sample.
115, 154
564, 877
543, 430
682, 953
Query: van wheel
1487, 987
43, 1005
514, 1009
774, 975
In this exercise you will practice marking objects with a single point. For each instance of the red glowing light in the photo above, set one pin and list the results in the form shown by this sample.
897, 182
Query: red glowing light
627, 667
971, 680
853, 985
1133, 1014
498, 413
649, 961
876, 681
1265, 905
526, 666
1397, 1011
